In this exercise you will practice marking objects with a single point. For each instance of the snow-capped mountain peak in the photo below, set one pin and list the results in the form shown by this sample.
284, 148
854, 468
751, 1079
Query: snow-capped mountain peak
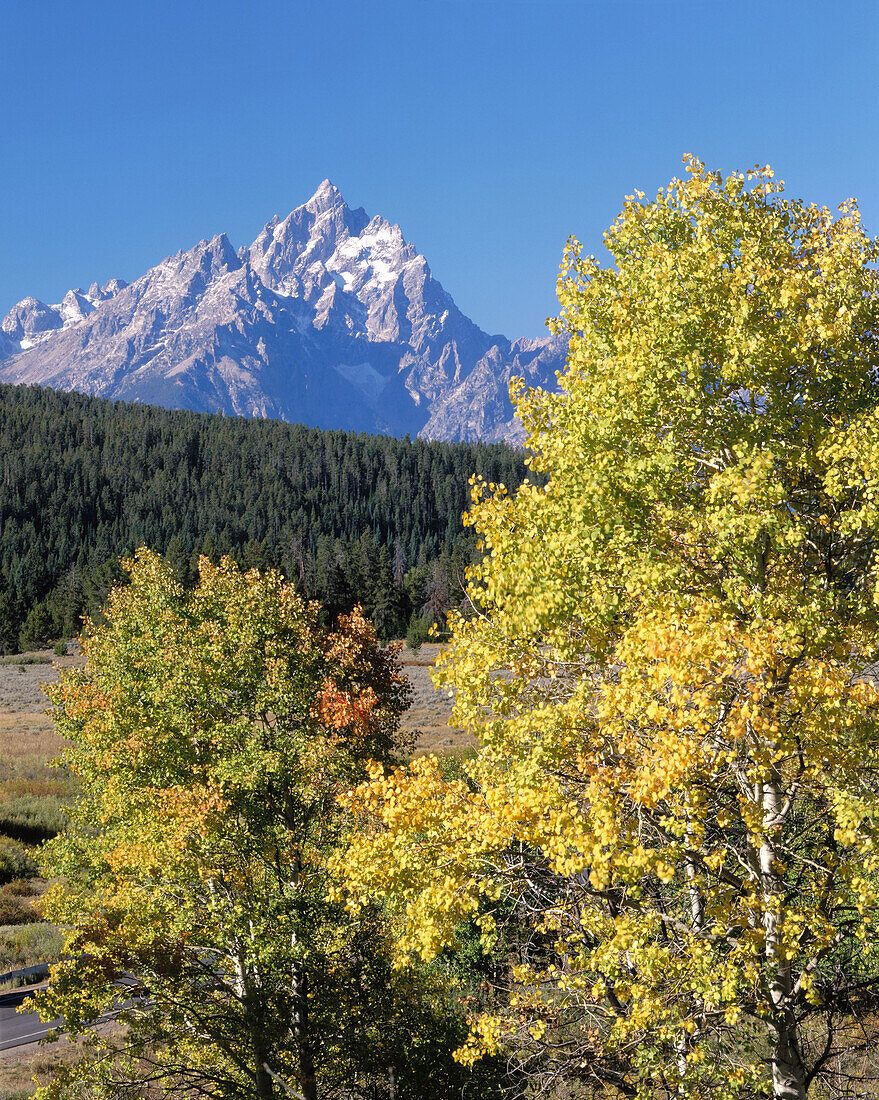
325, 198
330, 317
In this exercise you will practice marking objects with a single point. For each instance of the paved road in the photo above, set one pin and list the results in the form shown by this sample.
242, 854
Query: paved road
16, 1028
19, 1028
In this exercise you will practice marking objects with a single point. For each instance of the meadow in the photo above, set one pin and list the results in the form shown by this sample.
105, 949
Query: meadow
427, 720
32, 798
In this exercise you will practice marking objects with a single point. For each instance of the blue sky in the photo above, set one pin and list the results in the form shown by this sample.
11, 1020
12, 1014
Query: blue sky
489, 129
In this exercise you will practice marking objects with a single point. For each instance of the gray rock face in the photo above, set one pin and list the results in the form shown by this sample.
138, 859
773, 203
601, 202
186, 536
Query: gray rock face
30, 320
329, 318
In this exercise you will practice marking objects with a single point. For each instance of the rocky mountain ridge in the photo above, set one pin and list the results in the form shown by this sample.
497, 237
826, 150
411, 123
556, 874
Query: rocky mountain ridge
330, 318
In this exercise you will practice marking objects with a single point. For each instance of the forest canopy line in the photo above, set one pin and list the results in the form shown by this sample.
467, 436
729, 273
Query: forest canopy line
347, 517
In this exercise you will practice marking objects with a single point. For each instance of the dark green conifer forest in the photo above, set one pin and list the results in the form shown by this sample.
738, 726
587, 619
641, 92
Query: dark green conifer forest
350, 518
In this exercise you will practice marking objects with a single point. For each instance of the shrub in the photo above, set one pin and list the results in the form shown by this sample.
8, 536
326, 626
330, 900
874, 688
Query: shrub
418, 632
32, 818
28, 944
16, 862
16, 910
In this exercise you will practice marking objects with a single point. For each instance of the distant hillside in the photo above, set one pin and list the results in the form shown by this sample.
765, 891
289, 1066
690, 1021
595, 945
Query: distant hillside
348, 517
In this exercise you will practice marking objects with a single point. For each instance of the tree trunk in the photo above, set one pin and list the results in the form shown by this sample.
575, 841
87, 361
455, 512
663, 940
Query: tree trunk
265, 1085
307, 1081
788, 1071
265, 1088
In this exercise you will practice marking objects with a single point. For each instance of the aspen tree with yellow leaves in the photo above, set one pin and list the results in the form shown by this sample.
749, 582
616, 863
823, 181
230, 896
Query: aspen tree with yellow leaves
211, 731
671, 823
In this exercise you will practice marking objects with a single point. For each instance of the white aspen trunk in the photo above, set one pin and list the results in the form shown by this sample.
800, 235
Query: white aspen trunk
697, 917
697, 903
242, 984
681, 1045
245, 982
788, 1071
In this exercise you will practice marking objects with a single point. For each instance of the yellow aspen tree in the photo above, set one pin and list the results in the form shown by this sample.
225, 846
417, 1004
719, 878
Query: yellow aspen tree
211, 731
671, 820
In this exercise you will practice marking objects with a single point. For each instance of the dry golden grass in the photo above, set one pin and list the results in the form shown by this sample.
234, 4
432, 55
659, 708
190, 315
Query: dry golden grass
23, 737
26, 731
428, 717
23, 1068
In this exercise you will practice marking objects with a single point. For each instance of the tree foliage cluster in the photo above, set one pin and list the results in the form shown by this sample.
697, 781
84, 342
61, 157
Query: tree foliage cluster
349, 518
673, 816
213, 729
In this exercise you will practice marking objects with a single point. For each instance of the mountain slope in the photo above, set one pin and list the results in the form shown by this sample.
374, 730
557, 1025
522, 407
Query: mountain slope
329, 318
